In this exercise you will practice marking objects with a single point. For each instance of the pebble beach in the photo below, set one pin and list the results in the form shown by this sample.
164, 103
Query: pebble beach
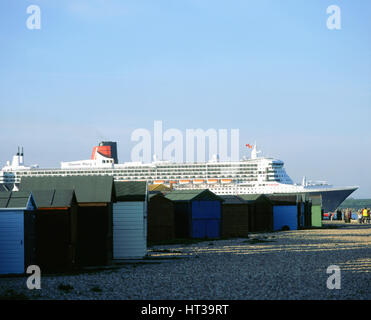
289, 265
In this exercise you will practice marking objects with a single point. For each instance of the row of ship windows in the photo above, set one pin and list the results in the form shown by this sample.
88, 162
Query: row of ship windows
185, 175
163, 178
207, 166
202, 168
181, 169
193, 167
238, 178
137, 176
235, 178
142, 172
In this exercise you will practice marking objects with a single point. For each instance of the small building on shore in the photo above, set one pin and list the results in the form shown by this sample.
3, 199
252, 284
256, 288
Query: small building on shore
17, 232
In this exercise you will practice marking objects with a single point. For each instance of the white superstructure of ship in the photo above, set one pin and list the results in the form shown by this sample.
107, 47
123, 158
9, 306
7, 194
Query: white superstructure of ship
257, 175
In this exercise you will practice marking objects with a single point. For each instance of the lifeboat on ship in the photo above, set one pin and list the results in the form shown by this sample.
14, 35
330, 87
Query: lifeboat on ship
212, 181
198, 181
224, 181
158, 181
184, 181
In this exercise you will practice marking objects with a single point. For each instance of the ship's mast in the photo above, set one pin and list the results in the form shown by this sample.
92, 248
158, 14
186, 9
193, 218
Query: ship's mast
254, 152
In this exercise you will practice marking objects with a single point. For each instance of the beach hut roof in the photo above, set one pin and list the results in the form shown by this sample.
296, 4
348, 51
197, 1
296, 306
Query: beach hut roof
283, 199
157, 195
56, 198
3, 188
130, 190
232, 199
191, 195
87, 188
16, 199
254, 198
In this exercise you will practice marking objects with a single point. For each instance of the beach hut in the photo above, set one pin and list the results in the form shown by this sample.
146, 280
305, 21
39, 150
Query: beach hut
306, 211
55, 229
285, 212
235, 217
304, 208
94, 196
316, 211
130, 220
260, 212
17, 234
161, 225
197, 213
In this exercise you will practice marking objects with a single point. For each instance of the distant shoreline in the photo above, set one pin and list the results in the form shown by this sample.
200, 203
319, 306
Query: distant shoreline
355, 203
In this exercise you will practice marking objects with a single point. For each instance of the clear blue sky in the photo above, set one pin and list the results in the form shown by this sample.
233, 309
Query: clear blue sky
100, 69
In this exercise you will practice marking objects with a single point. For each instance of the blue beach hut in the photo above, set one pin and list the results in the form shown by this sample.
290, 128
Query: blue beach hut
285, 212
197, 213
17, 244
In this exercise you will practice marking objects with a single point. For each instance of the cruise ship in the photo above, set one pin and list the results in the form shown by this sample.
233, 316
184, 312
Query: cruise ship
257, 175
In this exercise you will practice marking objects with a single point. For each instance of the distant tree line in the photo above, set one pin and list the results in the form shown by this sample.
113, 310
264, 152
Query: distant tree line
356, 203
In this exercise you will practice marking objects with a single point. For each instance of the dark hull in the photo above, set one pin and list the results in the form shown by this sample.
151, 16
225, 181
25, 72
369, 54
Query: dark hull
331, 200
